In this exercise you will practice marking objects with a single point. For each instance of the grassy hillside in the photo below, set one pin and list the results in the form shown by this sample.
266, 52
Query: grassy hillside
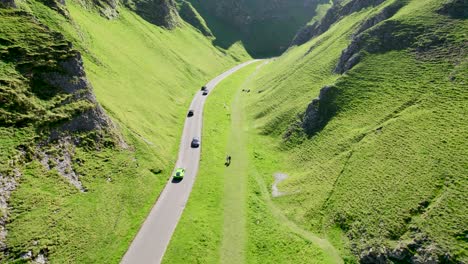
375, 163
144, 76
388, 167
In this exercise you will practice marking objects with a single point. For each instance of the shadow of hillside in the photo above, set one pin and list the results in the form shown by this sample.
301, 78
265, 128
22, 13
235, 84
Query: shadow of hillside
261, 39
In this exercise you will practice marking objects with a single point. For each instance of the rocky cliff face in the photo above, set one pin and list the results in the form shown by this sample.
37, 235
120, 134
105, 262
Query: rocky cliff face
7, 4
351, 55
57, 5
190, 15
316, 116
333, 15
71, 79
455, 9
381, 35
47, 73
46, 89
107, 8
319, 111
323, 108
159, 12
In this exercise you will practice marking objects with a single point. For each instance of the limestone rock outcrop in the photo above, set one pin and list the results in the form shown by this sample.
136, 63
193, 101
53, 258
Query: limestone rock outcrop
351, 55
7, 4
319, 111
162, 13
333, 15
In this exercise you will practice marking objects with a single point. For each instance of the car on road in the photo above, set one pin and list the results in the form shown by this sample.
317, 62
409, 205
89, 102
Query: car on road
195, 142
205, 92
204, 88
190, 113
179, 173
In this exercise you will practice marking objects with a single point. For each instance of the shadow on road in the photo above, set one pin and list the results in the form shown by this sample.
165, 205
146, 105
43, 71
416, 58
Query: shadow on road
175, 181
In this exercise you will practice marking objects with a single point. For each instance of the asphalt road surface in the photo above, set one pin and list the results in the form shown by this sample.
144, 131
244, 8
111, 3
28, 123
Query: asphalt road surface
153, 238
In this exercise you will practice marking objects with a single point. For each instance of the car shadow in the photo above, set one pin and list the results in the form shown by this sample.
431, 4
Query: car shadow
175, 181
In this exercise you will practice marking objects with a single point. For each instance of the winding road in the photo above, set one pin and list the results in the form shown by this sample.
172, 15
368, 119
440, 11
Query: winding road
155, 234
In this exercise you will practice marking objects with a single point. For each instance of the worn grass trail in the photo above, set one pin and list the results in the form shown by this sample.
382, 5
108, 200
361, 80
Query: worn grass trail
332, 254
236, 178
202, 231
235, 182
234, 226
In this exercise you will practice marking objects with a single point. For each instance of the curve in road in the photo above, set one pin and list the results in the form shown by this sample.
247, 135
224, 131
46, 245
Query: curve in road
151, 242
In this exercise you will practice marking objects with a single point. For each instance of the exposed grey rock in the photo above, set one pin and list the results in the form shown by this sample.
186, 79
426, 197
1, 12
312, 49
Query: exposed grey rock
162, 13
51, 72
108, 8
317, 114
428, 253
90, 120
455, 9
374, 256
26, 256
333, 15
191, 16
420, 250
385, 14
8, 4
62, 161
3, 234
72, 80
57, 5
319, 111
8, 184
351, 55
349, 58
401, 253
40, 259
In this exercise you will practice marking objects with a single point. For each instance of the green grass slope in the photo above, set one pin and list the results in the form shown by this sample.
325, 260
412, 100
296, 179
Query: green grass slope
388, 169
229, 217
144, 76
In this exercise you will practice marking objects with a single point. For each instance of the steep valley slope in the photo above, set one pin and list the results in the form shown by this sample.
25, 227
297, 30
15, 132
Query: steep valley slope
366, 116
366, 112
265, 27
78, 177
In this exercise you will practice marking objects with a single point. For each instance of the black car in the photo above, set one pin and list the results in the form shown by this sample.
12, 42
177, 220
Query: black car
195, 142
190, 113
205, 92
204, 88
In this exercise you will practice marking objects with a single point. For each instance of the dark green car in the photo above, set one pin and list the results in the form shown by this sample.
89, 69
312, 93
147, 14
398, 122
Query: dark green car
179, 173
